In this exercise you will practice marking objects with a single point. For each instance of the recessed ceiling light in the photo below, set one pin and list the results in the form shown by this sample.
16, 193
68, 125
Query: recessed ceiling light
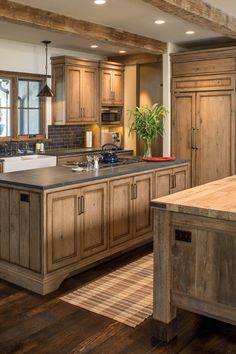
189, 32
99, 2
94, 46
159, 22
122, 51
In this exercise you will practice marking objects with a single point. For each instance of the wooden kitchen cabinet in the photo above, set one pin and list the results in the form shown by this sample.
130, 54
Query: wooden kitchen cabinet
203, 132
19, 236
203, 113
1, 167
143, 194
130, 214
93, 213
121, 227
172, 180
112, 83
77, 226
63, 233
75, 83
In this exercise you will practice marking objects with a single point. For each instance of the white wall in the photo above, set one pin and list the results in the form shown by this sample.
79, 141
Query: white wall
30, 58
130, 103
171, 48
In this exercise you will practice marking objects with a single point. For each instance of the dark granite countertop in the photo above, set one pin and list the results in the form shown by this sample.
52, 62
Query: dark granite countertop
54, 177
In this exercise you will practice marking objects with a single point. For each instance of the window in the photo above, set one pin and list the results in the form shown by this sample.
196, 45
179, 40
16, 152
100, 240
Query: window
29, 108
5, 107
22, 113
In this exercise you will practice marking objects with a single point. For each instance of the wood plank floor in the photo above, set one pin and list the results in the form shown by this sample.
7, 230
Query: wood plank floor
30, 323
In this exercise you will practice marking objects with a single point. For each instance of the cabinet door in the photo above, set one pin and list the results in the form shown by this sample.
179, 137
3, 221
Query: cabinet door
143, 194
181, 178
58, 102
62, 229
215, 138
94, 219
106, 86
73, 94
90, 96
118, 87
183, 120
163, 182
120, 211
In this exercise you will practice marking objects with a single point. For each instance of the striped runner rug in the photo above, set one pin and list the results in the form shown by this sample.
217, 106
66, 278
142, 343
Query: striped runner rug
124, 295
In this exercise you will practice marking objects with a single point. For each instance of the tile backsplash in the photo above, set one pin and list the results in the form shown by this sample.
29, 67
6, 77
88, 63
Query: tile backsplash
61, 136
66, 136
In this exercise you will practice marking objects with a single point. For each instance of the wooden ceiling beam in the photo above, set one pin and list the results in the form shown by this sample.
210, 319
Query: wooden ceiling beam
199, 13
139, 58
37, 18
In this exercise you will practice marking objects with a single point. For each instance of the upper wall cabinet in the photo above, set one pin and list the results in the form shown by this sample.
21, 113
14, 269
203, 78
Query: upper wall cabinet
75, 83
111, 83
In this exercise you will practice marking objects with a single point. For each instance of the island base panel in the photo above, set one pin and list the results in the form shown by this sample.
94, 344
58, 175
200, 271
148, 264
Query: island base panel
194, 266
165, 331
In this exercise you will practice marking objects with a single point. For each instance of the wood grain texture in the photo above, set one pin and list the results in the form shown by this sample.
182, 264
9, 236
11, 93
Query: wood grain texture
194, 258
215, 158
139, 58
200, 13
37, 18
215, 200
121, 227
94, 220
111, 83
162, 282
198, 105
143, 220
4, 222
62, 229
34, 324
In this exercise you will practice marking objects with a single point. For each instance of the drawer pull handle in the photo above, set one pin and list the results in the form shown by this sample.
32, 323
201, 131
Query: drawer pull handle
82, 205
184, 236
25, 198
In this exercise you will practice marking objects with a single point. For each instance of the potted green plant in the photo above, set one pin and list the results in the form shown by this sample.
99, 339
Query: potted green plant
148, 123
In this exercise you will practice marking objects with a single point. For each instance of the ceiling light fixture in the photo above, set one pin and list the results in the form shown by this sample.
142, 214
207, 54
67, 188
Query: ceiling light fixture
122, 51
46, 91
159, 22
190, 32
94, 46
99, 2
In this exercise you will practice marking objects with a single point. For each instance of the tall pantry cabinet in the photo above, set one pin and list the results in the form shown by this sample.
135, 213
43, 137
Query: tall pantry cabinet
203, 112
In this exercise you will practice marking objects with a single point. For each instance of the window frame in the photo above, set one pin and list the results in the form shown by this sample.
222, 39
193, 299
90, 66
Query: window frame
15, 77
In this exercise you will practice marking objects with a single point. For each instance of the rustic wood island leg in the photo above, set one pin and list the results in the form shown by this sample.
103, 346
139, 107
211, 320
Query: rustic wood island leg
164, 314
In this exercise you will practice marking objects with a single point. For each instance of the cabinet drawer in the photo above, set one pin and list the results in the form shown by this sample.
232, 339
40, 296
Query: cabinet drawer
203, 83
203, 67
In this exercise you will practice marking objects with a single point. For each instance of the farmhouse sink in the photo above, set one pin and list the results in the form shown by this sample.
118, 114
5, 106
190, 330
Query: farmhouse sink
19, 163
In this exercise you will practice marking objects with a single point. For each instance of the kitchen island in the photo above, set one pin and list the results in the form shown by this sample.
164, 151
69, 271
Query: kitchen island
55, 222
195, 254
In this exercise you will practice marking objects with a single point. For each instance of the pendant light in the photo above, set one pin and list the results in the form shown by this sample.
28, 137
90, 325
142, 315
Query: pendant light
46, 91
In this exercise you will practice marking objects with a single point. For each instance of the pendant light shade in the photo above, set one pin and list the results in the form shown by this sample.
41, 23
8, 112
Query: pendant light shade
46, 91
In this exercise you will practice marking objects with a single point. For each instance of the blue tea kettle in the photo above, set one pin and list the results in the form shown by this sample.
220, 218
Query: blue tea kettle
109, 156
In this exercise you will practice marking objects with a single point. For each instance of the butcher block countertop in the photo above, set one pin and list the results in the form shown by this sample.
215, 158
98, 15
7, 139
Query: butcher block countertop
214, 200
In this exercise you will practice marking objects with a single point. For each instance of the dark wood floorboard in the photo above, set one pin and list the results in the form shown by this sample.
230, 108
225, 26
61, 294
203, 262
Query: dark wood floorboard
34, 324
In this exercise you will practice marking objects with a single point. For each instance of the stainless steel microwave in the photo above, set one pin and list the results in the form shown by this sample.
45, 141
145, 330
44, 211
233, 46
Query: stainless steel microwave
111, 115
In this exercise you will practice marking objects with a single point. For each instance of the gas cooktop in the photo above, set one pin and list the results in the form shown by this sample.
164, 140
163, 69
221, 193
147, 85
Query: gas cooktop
120, 162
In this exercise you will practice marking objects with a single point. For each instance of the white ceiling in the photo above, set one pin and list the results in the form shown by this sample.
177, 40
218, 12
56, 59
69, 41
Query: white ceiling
130, 15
